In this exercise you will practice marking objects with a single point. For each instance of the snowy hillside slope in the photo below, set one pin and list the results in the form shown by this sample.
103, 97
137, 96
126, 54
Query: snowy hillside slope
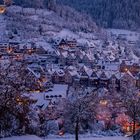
27, 23
43, 26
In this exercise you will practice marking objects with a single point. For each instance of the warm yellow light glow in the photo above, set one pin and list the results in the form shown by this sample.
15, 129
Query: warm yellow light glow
9, 50
2, 9
37, 91
126, 69
17, 99
61, 133
103, 102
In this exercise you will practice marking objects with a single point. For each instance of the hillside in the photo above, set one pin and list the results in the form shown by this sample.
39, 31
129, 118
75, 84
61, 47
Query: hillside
44, 26
110, 13
123, 14
23, 24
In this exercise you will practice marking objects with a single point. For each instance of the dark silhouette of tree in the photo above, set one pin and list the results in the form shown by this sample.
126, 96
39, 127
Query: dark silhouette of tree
15, 105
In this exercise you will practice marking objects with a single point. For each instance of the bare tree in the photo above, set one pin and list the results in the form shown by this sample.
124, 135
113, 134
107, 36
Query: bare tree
80, 109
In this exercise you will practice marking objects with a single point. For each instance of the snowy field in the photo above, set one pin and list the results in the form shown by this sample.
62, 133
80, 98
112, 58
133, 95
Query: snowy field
85, 138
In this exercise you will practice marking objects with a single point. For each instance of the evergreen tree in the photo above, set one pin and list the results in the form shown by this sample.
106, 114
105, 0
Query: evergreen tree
51, 4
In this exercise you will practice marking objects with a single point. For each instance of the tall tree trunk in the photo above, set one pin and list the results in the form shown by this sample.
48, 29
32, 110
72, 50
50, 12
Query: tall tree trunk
134, 129
77, 130
134, 124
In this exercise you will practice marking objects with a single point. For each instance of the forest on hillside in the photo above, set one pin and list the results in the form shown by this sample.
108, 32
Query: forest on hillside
106, 13
110, 13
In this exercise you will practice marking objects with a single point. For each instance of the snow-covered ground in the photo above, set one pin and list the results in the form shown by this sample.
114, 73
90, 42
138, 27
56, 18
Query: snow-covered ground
31, 137
93, 138
130, 35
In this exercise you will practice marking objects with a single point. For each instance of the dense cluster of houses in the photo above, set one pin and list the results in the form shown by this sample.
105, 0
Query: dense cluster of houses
67, 62
88, 77
63, 65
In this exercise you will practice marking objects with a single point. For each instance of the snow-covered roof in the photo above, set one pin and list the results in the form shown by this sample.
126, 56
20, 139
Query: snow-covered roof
46, 46
111, 66
60, 72
29, 11
85, 71
94, 75
14, 9
73, 73
37, 75
58, 91
64, 54
127, 73
105, 75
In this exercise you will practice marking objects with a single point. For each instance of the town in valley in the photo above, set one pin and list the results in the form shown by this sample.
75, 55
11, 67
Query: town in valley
58, 79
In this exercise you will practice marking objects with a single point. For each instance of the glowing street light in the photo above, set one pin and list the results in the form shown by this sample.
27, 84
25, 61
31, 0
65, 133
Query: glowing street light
2, 9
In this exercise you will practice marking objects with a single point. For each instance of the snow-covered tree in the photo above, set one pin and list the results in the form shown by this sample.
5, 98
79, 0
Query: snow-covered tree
15, 105
137, 135
51, 4
130, 101
38, 3
108, 108
79, 110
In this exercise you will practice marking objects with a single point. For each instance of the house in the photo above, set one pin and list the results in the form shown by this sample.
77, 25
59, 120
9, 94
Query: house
114, 83
88, 59
72, 43
43, 77
58, 77
50, 98
94, 79
67, 44
68, 78
3, 47
127, 80
104, 79
138, 80
35, 78
84, 75
134, 68
62, 45
71, 59
62, 58
70, 74
79, 56
40, 50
